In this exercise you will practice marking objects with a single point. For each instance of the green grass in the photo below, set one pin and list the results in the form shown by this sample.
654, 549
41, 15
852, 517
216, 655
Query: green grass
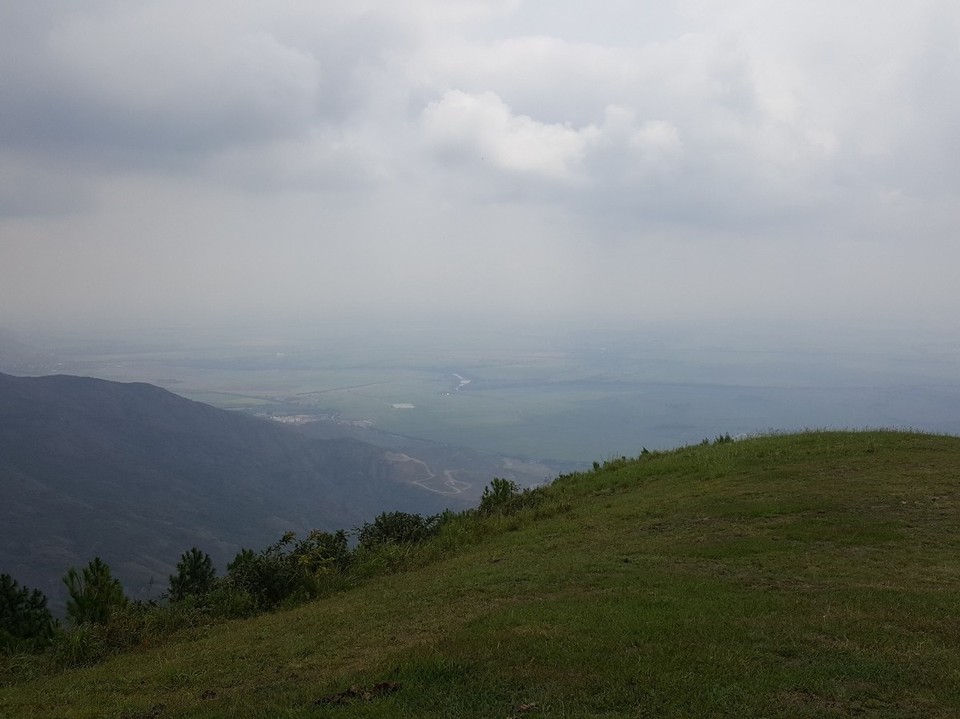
810, 575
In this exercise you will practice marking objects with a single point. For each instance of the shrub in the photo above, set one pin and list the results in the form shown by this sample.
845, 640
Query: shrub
372, 561
81, 646
162, 620
323, 553
266, 576
229, 601
398, 528
610, 465
287, 569
497, 496
504, 497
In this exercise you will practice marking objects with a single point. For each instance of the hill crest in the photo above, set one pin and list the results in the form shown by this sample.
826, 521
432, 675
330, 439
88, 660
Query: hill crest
797, 575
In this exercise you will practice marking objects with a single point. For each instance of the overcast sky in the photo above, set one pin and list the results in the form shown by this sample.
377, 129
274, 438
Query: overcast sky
197, 160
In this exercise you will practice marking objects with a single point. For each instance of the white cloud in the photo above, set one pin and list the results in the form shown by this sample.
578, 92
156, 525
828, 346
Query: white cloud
657, 139
456, 145
481, 128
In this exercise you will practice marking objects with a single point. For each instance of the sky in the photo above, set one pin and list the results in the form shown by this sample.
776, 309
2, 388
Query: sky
194, 161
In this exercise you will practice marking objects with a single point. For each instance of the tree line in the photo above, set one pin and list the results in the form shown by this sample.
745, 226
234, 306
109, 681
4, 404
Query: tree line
100, 618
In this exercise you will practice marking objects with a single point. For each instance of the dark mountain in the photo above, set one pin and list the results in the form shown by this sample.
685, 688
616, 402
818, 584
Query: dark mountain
137, 475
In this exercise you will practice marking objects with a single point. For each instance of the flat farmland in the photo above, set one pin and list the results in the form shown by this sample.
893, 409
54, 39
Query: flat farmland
569, 396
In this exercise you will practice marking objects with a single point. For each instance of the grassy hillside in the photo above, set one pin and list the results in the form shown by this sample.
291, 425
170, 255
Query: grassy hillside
813, 575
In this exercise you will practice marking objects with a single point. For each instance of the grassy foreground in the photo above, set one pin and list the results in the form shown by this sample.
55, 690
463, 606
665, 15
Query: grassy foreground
811, 575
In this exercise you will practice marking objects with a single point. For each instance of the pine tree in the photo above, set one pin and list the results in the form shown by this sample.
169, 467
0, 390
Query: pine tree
195, 575
25, 621
94, 594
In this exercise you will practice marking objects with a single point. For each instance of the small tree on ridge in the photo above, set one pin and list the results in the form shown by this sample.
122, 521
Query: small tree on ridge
195, 575
25, 621
94, 594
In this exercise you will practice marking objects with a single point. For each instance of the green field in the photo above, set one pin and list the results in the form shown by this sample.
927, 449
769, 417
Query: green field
810, 575
549, 394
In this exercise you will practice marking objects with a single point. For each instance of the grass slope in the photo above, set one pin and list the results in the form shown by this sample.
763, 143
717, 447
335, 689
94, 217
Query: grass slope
811, 575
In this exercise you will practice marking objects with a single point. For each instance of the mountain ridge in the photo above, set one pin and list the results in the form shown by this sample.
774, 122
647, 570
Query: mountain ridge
137, 474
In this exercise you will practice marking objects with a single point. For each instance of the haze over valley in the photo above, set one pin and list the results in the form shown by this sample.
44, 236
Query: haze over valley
547, 392
545, 232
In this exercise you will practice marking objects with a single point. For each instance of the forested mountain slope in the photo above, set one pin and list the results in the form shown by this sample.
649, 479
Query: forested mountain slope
137, 475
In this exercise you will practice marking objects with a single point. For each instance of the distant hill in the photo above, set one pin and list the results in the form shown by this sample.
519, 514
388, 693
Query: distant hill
137, 475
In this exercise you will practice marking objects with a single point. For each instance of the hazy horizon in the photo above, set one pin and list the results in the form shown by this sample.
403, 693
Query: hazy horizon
540, 391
